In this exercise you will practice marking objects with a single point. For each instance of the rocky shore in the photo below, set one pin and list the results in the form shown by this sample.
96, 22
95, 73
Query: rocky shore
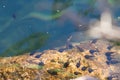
98, 59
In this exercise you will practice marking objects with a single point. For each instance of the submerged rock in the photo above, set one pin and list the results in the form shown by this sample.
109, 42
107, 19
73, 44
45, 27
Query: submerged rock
70, 64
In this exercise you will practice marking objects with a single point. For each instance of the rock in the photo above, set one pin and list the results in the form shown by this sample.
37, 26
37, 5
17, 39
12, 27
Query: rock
66, 65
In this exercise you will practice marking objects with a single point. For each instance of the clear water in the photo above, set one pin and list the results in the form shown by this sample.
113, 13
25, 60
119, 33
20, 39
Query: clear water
59, 19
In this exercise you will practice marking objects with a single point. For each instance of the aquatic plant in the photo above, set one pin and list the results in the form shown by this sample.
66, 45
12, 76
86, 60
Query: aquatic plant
115, 43
41, 16
33, 42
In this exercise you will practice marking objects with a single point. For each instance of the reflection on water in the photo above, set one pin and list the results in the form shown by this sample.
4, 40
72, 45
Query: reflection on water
58, 18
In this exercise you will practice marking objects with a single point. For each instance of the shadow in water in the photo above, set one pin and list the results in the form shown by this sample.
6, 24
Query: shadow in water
33, 42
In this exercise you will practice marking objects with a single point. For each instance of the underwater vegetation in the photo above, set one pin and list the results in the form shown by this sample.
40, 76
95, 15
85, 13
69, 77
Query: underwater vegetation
33, 42
42, 16
56, 10
116, 43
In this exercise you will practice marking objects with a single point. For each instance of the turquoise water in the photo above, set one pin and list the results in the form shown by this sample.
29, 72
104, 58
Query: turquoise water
57, 19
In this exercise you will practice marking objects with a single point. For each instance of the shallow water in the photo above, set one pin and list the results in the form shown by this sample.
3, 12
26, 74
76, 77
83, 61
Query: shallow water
59, 19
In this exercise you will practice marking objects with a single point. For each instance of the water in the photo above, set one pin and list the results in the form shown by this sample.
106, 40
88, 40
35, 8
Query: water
58, 19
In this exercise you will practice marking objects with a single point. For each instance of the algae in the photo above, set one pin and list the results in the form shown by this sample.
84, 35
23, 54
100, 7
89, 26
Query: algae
33, 42
115, 43
15, 72
34, 66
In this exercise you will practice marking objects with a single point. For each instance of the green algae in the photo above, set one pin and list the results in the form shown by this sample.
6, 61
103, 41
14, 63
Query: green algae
115, 43
33, 42
41, 16
34, 66
15, 72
